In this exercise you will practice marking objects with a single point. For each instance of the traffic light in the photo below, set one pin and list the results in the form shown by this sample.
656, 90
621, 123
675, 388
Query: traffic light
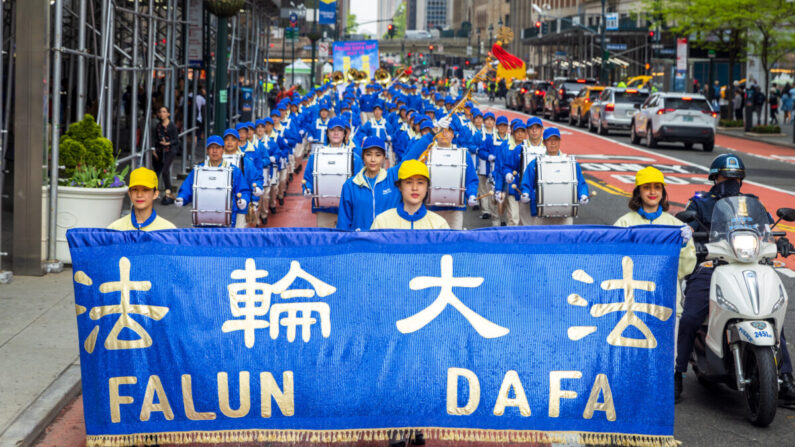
430, 48
538, 24
466, 62
648, 66
391, 30
409, 54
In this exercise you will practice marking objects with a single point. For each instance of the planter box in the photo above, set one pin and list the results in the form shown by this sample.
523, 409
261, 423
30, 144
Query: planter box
84, 208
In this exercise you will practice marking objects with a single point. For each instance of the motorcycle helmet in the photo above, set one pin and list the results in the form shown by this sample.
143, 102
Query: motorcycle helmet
727, 165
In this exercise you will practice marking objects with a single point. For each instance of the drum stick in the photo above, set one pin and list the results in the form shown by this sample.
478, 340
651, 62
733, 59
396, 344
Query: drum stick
490, 193
593, 193
516, 188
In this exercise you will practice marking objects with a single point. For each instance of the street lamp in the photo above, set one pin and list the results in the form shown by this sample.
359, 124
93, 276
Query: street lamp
478, 45
491, 32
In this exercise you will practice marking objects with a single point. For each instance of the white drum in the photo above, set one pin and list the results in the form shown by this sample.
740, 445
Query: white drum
556, 186
234, 159
447, 168
330, 168
530, 153
212, 196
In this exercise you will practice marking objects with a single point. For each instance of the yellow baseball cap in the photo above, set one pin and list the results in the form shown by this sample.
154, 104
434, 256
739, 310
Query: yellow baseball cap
410, 168
143, 177
649, 174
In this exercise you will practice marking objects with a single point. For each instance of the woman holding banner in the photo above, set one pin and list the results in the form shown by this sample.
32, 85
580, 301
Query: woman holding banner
649, 205
411, 214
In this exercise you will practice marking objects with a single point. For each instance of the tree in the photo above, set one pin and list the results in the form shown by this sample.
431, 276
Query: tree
719, 25
771, 35
351, 27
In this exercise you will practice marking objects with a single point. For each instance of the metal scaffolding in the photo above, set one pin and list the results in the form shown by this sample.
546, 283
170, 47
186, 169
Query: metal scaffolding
120, 60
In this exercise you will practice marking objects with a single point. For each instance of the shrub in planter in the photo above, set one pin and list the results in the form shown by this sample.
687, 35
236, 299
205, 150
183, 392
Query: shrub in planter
766, 129
730, 123
83, 145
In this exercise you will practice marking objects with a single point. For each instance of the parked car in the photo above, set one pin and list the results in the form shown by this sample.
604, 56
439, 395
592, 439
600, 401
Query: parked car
614, 109
681, 117
578, 110
560, 94
534, 98
516, 95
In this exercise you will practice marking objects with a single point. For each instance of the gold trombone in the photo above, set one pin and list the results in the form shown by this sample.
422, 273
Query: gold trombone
383, 77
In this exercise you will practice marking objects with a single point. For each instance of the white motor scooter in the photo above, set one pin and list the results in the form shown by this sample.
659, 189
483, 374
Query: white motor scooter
740, 340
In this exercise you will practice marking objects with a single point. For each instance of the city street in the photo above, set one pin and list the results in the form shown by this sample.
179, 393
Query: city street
706, 416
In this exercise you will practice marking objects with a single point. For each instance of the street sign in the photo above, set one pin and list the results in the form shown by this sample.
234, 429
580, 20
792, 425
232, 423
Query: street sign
611, 21
575, 20
195, 34
285, 13
711, 54
616, 46
681, 54
469, 50
322, 49
656, 46
560, 53
293, 19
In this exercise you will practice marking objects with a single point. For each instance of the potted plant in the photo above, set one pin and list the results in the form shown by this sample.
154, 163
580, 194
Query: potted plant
90, 191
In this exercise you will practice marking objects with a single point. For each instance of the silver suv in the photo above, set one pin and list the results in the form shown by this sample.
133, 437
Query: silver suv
682, 117
614, 109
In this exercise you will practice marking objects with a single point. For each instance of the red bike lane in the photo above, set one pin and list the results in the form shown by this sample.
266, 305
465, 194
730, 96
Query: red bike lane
611, 166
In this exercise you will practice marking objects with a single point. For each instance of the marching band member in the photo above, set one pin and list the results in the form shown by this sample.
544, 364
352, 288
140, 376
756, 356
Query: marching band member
245, 146
649, 205
444, 139
143, 193
267, 145
529, 195
371, 191
241, 192
317, 133
367, 101
483, 140
506, 177
534, 144
411, 214
327, 217
251, 172
286, 151
377, 126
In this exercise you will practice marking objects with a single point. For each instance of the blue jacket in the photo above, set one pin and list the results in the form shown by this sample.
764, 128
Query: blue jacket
380, 129
318, 129
239, 186
360, 202
309, 179
509, 160
529, 185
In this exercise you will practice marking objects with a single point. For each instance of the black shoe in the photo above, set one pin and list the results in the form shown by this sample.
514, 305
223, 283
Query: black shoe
281, 201
263, 220
419, 439
476, 207
678, 387
273, 210
298, 168
503, 224
166, 200
397, 443
787, 392
290, 177
485, 216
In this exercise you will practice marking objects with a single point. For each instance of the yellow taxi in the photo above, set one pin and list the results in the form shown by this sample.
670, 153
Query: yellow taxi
582, 103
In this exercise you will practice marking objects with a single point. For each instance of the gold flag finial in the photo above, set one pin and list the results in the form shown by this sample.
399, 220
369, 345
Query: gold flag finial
505, 35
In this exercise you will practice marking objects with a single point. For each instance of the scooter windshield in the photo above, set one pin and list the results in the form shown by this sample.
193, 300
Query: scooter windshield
740, 213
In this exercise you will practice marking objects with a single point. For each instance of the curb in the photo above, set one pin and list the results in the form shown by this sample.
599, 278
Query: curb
745, 136
32, 422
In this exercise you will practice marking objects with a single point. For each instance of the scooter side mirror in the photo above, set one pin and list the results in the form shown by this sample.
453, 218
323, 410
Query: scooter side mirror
687, 216
787, 214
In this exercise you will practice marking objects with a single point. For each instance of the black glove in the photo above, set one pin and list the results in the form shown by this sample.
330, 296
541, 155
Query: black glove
784, 246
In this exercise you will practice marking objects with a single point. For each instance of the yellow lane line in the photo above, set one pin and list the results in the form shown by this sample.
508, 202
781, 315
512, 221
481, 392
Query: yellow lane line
609, 189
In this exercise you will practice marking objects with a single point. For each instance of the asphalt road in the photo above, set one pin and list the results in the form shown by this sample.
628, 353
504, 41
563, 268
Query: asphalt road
705, 417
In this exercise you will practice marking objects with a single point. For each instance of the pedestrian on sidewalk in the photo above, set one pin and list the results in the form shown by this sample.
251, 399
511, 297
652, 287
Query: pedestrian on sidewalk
786, 104
166, 143
737, 104
773, 101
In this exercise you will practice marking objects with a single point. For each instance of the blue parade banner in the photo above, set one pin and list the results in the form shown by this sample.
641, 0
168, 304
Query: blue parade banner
328, 12
358, 54
533, 334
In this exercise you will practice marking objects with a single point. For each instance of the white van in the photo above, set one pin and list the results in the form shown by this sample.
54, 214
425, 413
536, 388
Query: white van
418, 34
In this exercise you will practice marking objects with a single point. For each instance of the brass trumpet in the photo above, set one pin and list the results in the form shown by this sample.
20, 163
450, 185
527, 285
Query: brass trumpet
382, 77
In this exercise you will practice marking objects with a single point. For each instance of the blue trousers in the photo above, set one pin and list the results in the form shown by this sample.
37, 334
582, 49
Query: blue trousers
694, 313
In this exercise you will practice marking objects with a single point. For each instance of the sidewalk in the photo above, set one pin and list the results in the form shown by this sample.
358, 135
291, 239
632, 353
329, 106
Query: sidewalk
39, 365
779, 140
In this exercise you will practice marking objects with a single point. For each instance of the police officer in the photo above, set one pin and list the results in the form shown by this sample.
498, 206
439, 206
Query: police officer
728, 172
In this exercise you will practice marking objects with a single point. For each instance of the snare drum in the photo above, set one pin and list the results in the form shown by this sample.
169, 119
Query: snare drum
556, 186
447, 168
330, 168
212, 196
234, 159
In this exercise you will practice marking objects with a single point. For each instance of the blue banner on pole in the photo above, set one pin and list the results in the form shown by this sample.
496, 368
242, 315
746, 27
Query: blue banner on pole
525, 335
328, 12
358, 54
